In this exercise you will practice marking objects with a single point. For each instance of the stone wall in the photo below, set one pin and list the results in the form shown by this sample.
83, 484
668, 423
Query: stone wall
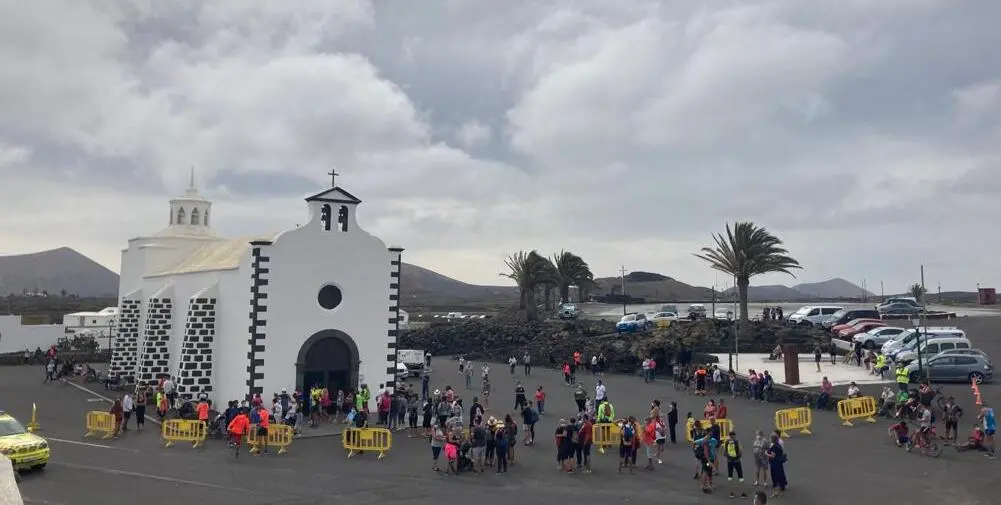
195, 371
154, 360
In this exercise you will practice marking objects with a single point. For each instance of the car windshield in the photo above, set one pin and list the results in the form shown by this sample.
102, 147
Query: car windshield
10, 426
802, 310
630, 317
839, 314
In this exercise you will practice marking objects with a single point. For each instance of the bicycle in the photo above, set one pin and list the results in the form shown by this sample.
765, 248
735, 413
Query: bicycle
932, 445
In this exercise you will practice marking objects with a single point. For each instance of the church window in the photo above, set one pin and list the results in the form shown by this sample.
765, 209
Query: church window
194, 217
325, 216
342, 217
180, 216
329, 297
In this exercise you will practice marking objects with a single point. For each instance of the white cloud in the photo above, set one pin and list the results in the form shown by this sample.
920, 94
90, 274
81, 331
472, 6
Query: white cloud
627, 133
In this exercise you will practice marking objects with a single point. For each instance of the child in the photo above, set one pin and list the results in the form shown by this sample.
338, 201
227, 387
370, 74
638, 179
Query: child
903, 433
626, 439
452, 454
237, 428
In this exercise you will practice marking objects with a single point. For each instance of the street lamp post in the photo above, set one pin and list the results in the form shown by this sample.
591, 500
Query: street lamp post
923, 331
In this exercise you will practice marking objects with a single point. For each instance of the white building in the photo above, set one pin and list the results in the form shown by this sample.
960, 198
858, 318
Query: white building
100, 324
15, 336
317, 304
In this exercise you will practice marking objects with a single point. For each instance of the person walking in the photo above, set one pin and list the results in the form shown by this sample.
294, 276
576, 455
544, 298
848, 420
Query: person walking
127, 407
776, 463
732, 452
527, 361
141, 399
672, 422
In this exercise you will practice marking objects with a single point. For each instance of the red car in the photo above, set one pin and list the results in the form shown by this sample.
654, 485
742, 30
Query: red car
838, 327
860, 328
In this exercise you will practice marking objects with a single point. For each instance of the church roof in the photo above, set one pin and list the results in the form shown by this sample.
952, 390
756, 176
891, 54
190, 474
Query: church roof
221, 255
334, 195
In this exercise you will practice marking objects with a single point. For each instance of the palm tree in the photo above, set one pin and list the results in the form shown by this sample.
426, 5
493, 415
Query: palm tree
528, 270
746, 251
571, 270
918, 292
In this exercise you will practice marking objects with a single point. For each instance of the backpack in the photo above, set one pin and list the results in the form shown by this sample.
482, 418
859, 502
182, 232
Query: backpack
534, 417
255, 416
628, 432
700, 452
575, 436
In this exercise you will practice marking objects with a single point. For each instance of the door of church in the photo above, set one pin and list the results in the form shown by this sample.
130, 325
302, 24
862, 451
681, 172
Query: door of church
327, 362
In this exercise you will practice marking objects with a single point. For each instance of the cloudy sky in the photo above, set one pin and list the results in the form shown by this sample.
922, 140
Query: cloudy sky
865, 134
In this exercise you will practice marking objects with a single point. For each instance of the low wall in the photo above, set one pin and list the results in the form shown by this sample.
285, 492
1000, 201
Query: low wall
17, 337
9, 492
17, 358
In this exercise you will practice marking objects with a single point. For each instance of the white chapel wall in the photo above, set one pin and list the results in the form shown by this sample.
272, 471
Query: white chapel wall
232, 323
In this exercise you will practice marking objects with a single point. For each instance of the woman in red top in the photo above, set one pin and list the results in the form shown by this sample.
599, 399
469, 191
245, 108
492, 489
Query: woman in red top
566, 372
118, 413
540, 400
584, 440
721, 410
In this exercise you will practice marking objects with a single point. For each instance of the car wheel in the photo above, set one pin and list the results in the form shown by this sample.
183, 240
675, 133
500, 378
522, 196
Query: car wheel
805, 323
977, 377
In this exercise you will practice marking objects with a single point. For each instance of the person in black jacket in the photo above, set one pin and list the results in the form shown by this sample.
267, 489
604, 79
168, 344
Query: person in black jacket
672, 422
732, 452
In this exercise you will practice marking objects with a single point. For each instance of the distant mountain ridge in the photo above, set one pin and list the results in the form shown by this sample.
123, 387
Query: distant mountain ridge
56, 271
831, 289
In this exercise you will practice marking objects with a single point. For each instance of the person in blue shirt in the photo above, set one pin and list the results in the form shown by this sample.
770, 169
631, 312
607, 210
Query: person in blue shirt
705, 452
990, 426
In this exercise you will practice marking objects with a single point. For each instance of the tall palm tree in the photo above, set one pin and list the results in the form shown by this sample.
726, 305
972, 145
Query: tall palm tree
571, 270
746, 251
528, 270
918, 292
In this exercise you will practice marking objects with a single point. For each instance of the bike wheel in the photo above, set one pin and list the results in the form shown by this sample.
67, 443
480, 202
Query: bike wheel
934, 447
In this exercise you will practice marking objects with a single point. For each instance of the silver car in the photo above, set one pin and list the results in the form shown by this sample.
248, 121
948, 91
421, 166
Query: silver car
876, 337
963, 352
954, 368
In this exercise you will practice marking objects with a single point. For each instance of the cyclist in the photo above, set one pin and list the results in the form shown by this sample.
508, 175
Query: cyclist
237, 429
924, 425
902, 433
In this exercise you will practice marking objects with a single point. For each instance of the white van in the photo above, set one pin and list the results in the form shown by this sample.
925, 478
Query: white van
930, 347
813, 314
907, 338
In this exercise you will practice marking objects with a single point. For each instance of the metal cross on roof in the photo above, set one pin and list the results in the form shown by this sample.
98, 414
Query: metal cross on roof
333, 178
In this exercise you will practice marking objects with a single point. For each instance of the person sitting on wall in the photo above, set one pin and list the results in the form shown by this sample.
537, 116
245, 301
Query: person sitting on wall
776, 353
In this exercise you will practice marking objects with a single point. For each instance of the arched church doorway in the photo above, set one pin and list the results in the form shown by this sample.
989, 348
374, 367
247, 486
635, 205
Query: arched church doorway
329, 359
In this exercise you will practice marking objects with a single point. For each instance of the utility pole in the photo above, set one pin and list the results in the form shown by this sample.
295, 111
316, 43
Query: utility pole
940, 293
882, 296
922, 333
863, 291
622, 271
736, 318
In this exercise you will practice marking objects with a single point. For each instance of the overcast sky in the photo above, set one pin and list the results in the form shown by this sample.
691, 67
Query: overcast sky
865, 134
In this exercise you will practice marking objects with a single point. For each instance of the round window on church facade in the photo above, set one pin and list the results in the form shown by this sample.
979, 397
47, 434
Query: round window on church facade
329, 297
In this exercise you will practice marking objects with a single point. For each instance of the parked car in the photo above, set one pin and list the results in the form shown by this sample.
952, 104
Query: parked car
906, 337
664, 319
900, 309
949, 368
838, 327
930, 347
696, 311
899, 299
876, 337
963, 352
846, 316
567, 311
723, 315
633, 322
811, 315
860, 328
668, 307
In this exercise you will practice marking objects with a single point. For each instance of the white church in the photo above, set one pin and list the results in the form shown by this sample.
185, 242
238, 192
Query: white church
230, 317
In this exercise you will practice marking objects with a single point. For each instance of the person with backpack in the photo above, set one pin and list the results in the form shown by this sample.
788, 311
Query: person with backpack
732, 452
627, 438
529, 417
502, 444
705, 453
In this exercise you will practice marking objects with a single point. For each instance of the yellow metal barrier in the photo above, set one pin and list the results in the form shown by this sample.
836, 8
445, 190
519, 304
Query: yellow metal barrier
663, 323
857, 408
33, 425
800, 418
606, 435
725, 427
183, 430
279, 435
357, 440
100, 422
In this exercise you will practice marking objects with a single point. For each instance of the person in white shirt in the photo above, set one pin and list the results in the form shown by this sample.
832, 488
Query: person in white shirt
718, 379
594, 365
599, 393
127, 407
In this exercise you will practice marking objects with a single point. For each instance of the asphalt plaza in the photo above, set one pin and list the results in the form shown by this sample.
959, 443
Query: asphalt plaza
834, 465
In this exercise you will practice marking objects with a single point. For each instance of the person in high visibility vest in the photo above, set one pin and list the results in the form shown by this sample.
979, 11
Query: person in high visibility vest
880, 365
606, 413
902, 378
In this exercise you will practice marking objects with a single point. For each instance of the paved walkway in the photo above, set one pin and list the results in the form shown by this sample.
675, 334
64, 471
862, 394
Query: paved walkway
834, 465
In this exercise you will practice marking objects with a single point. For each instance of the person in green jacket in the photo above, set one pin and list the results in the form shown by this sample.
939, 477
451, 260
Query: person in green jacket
902, 378
362, 398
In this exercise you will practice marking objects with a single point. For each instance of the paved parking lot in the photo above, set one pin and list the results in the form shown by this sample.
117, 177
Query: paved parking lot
835, 465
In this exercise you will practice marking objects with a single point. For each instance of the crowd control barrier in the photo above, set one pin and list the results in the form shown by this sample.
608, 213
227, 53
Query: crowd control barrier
725, 427
799, 418
183, 430
279, 435
976, 392
606, 435
356, 440
33, 425
857, 408
100, 422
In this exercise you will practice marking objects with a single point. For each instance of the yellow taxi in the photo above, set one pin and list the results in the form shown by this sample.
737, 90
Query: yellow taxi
23, 448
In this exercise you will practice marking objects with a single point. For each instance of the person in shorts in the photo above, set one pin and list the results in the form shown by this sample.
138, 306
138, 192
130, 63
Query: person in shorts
478, 442
627, 437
